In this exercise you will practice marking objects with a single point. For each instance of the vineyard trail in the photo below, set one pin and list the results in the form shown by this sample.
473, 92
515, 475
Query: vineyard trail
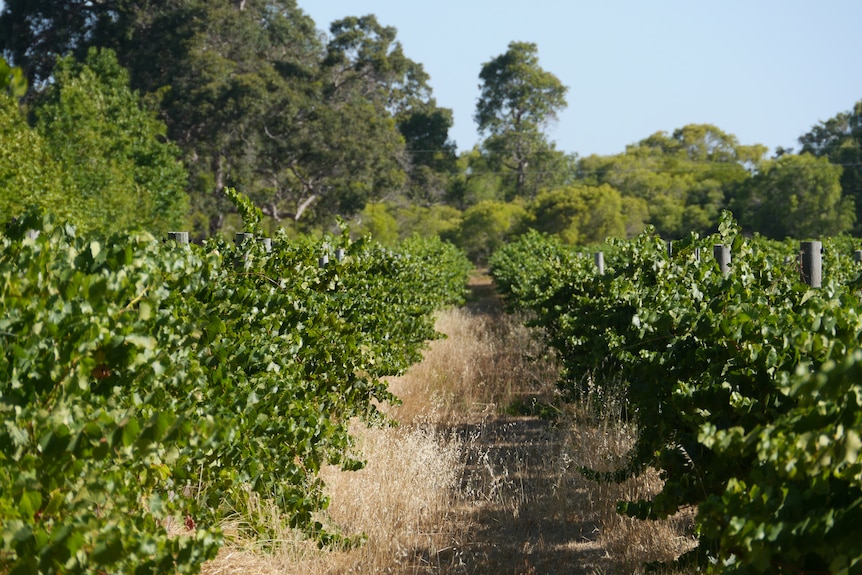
481, 474
523, 513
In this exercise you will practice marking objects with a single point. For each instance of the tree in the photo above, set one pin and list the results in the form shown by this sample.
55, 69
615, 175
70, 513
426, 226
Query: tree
119, 173
475, 181
364, 54
12, 80
34, 33
433, 162
377, 221
517, 102
226, 68
796, 196
333, 144
580, 214
685, 178
487, 226
259, 100
438, 220
840, 140
29, 176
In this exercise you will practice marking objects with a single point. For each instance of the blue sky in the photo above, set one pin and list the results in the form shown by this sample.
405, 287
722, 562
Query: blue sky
765, 71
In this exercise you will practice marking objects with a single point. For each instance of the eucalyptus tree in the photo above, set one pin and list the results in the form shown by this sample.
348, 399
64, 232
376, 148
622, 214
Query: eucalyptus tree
518, 101
34, 33
840, 140
331, 144
685, 178
367, 54
118, 171
259, 99
796, 196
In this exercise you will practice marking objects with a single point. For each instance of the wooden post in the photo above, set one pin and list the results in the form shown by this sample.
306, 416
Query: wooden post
722, 256
600, 262
812, 263
179, 237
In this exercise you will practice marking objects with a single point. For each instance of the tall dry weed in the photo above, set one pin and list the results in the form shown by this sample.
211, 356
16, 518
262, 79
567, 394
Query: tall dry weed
603, 444
399, 505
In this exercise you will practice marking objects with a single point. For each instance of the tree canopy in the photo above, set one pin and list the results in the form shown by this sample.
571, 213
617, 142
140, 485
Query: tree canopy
685, 178
518, 101
797, 196
96, 155
308, 125
839, 139
313, 125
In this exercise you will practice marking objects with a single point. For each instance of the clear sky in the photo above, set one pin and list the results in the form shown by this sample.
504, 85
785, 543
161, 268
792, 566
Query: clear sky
765, 71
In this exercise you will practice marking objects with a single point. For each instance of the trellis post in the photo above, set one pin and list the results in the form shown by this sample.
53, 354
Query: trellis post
600, 262
812, 263
722, 256
181, 238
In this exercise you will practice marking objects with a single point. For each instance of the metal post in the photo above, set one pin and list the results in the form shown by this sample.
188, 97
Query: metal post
812, 263
179, 237
242, 237
722, 256
600, 262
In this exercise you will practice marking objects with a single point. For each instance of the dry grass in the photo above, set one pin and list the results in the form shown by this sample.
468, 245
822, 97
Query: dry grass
602, 444
461, 487
484, 365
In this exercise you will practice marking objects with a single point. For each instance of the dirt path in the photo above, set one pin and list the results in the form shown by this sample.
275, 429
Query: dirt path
520, 500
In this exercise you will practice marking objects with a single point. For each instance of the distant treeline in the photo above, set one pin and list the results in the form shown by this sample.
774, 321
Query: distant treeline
141, 113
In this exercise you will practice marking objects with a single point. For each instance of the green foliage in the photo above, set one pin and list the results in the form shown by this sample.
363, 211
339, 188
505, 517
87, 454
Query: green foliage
144, 382
377, 221
518, 100
12, 80
440, 220
684, 179
309, 126
840, 140
119, 172
477, 181
29, 175
486, 226
251, 214
579, 214
797, 196
744, 385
